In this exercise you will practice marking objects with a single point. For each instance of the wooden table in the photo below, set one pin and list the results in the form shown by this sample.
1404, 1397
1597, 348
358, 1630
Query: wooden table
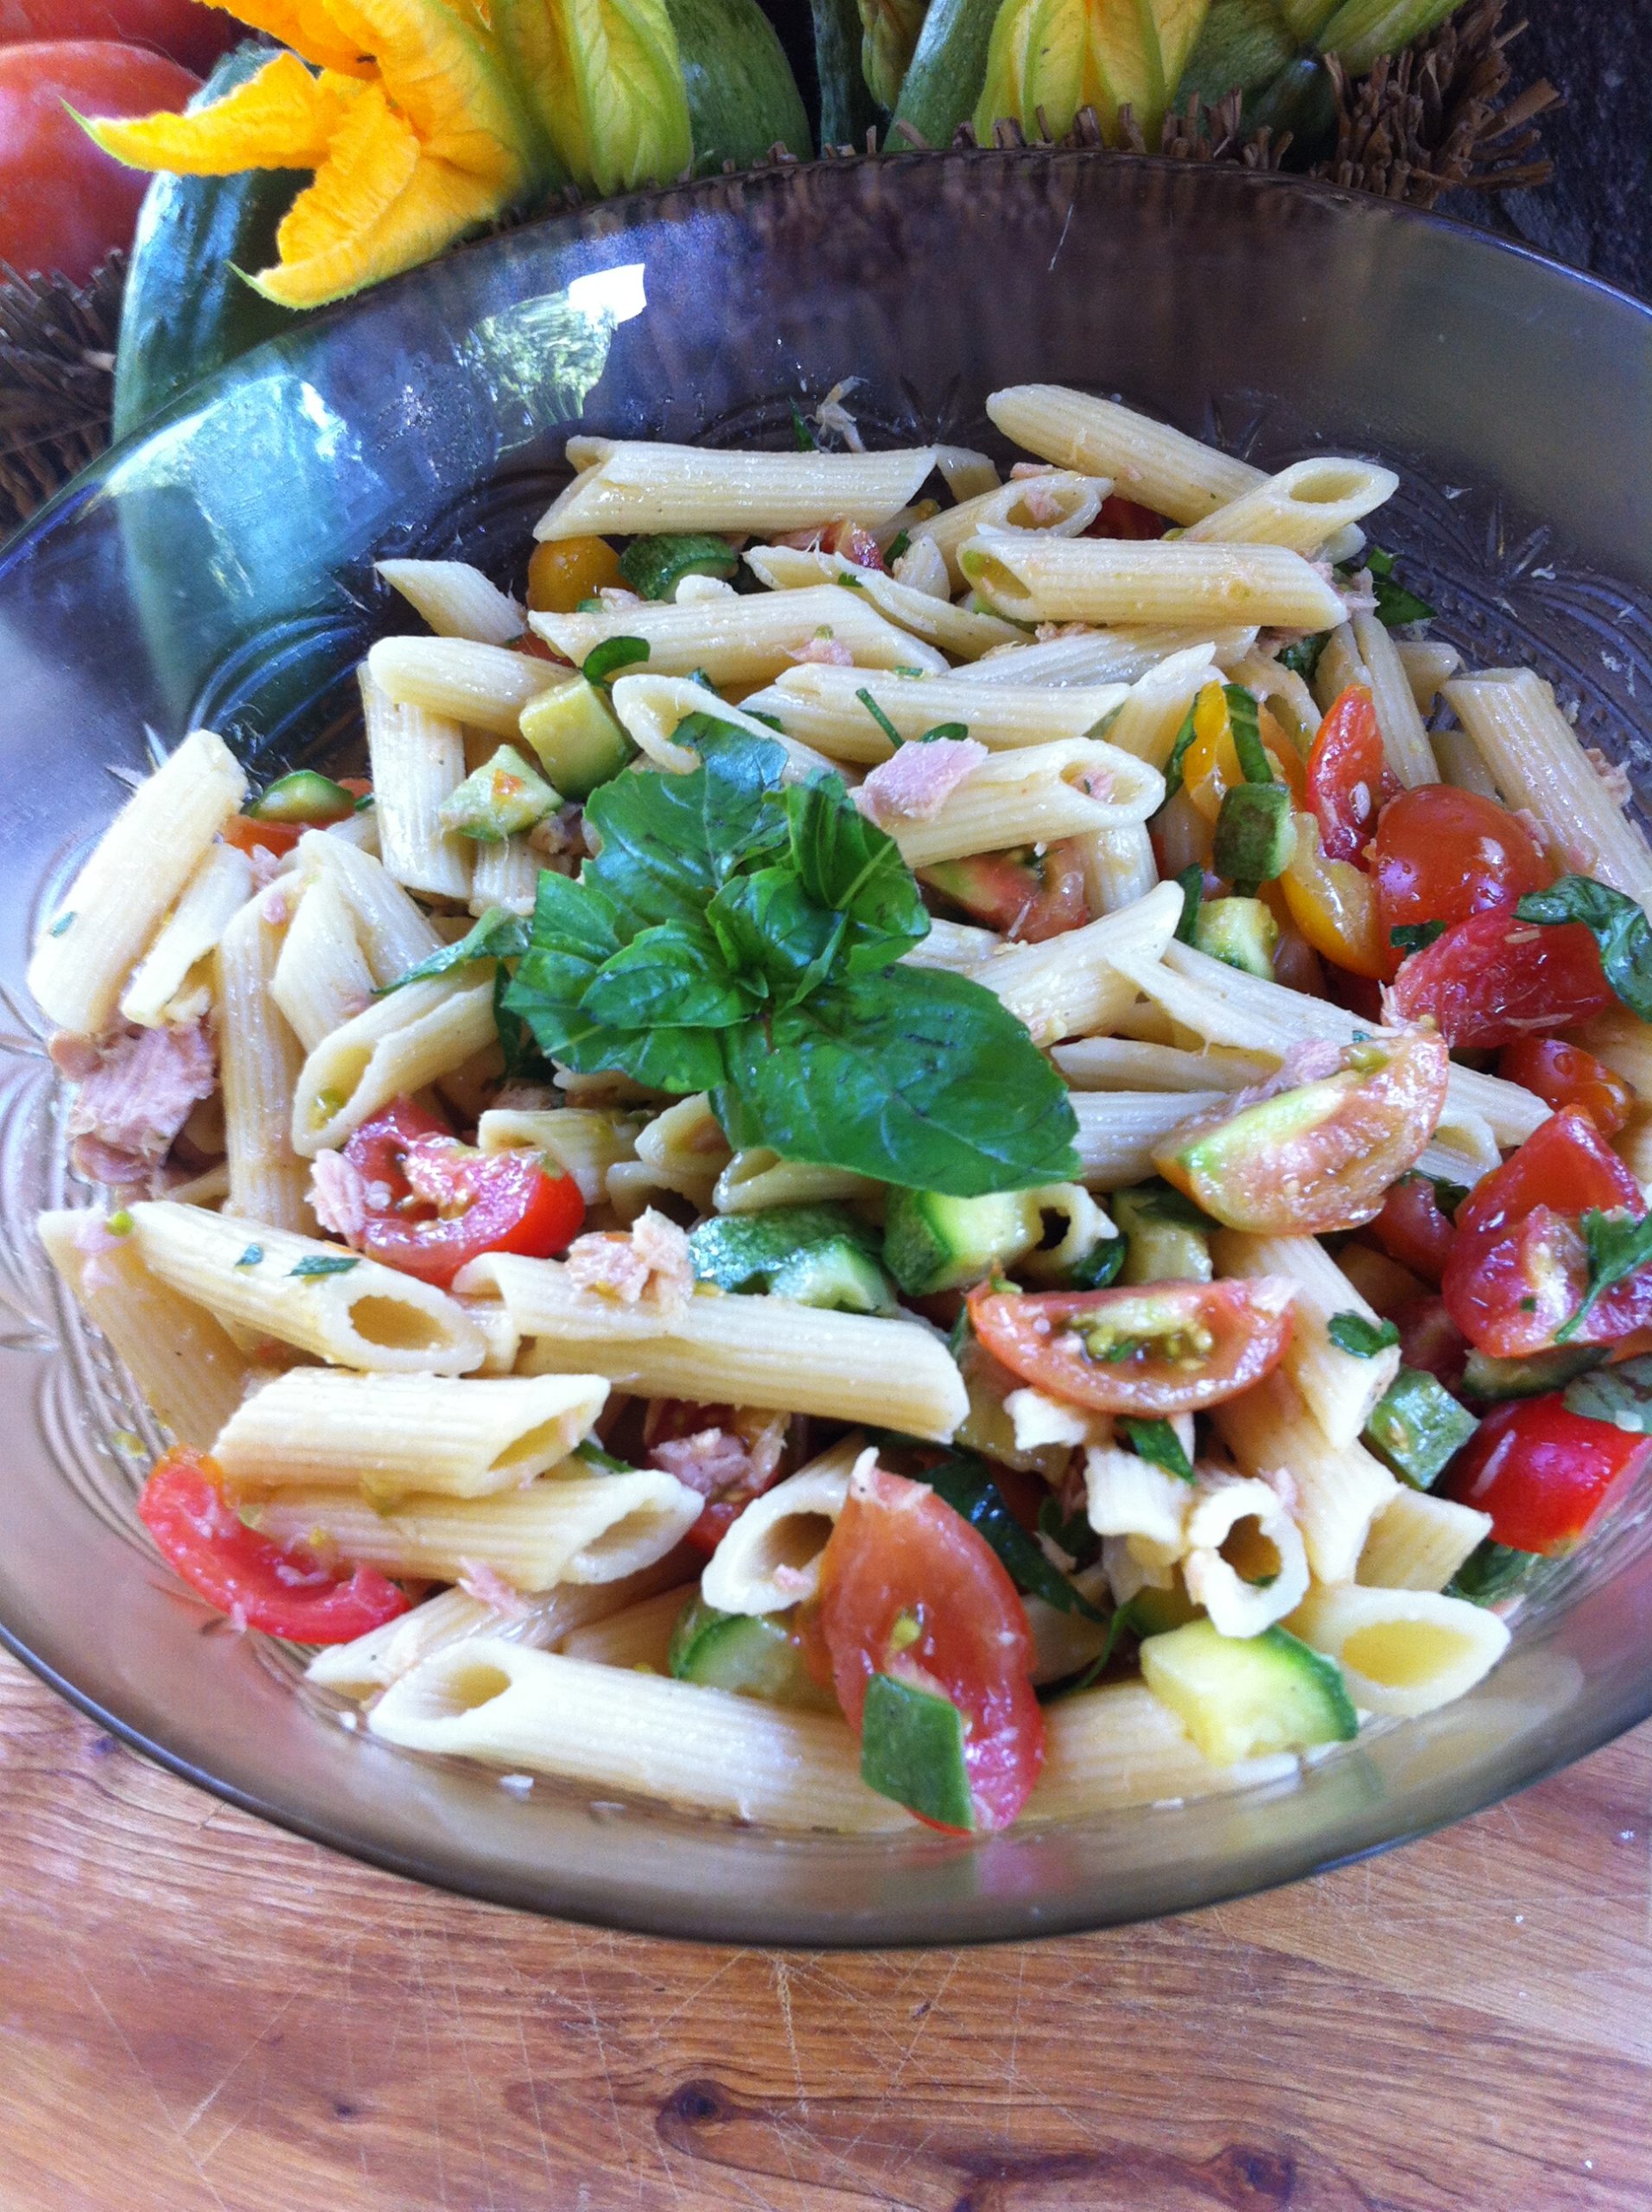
200, 2014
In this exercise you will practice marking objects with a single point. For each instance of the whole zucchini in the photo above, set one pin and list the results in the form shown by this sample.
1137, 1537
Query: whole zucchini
742, 96
187, 312
948, 69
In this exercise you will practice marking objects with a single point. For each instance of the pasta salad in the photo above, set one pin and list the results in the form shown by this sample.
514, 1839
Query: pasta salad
927, 1146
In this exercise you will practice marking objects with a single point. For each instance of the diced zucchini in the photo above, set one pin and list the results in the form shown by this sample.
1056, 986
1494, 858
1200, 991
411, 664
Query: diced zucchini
1243, 1697
575, 733
932, 1243
756, 1654
1531, 1377
654, 567
504, 797
1492, 1572
1164, 1245
303, 796
911, 1750
1254, 834
1417, 1426
1155, 1612
1241, 931
821, 1255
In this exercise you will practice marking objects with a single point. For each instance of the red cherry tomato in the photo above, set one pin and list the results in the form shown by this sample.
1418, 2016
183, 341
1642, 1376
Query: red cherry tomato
64, 204
1565, 1075
1414, 1229
179, 28
900, 1560
434, 1204
204, 1541
1518, 1267
1349, 779
1121, 518
1542, 1473
1443, 854
1166, 1348
853, 542
1430, 1340
1491, 979
1025, 895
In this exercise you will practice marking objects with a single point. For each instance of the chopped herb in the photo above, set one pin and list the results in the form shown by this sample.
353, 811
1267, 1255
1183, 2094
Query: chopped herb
699, 676
499, 935
1158, 1442
760, 714
604, 662
1069, 1532
594, 1456
955, 732
1192, 880
365, 801
849, 583
1414, 937
1395, 606
1302, 657
592, 606
1618, 925
806, 440
326, 1264
120, 1224
1184, 737
1100, 1266
969, 1489
1244, 720
1618, 1246
899, 543
1360, 1339
880, 717
252, 1257
1621, 1395
63, 922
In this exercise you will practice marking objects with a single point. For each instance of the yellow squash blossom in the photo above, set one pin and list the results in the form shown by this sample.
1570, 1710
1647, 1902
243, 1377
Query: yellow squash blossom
423, 119
1049, 58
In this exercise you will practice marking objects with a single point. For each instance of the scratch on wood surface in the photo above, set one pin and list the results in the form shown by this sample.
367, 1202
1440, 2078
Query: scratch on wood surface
147, 2078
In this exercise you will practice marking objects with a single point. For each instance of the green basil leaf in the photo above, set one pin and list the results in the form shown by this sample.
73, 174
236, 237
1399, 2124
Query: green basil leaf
1158, 1442
1618, 924
846, 862
1414, 937
614, 655
957, 732
668, 974
1071, 1532
326, 1264
1361, 1338
499, 935
252, 1257
1395, 605
880, 717
1618, 1246
767, 927
968, 1488
1302, 658
803, 436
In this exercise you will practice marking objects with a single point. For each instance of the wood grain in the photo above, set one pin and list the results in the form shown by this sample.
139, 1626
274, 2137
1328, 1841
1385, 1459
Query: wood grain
201, 2014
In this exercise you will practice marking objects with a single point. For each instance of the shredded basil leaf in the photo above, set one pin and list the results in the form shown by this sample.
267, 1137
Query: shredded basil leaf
1618, 1245
1361, 1339
1158, 1442
594, 1456
499, 935
899, 543
63, 922
968, 1488
1618, 925
955, 731
326, 1264
1302, 657
1396, 607
604, 662
252, 1257
880, 717
805, 438
1184, 737
1414, 937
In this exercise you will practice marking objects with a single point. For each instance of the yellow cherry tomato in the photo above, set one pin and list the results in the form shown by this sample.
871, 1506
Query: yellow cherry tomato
564, 570
1334, 904
1210, 765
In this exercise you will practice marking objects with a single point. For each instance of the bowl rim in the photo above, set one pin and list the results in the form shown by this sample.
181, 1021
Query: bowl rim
624, 1907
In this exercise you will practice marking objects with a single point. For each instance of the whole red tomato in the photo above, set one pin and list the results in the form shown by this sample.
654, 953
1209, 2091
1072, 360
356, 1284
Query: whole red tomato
63, 204
181, 29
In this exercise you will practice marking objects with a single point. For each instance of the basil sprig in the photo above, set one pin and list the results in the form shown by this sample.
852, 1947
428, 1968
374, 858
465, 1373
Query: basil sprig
1618, 924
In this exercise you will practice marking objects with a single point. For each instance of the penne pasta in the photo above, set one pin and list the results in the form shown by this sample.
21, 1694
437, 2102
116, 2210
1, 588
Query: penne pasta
217, 891
747, 640
1056, 501
630, 487
1148, 461
1404, 740
418, 761
1339, 1388
956, 630
1303, 506
1401, 1651
1418, 1541
637, 1636
259, 1059
1090, 657
769, 1561
393, 1047
1075, 982
1119, 1131
1035, 795
1118, 1746
456, 599
825, 709
1339, 1488
1117, 580
321, 979
484, 686
393, 933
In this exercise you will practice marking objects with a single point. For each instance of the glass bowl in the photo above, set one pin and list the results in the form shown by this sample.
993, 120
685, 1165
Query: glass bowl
219, 570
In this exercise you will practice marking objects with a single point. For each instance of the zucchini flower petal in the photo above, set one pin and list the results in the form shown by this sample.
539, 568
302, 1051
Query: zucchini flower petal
444, 71
306, 26
283, 119
1060, 55
889, 37
605, 79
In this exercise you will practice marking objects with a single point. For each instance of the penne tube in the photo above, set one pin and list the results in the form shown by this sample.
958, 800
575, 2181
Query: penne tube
956, 630
564, 1528
540, 1712
504, 874
1119, 1745
1248, 1519
484, 686
733, 1350
418, 761
583, 1141
1057, 502
356, 1313
1339, 1388
139, 869
1119, 1131
1538, 763
746, 640
630, 487
756, 1181
1151, 716
1458, 759
392, 1435
1148, 461
1073, 983
1339, 1489
392, 930
769, 1560
456, 599
1118, 868
189, 1371
1401, 1652
639, 1636
1128, 1495
1035, 795
321, 979
1429, 667
259, 1061
499, 1333
1418, 1541
217, 890
1125, 1063
1304, 506
1119, 580
1284, 694
653, 707
394, 1047
1105, 656
1404, 740
956, 945
823, 707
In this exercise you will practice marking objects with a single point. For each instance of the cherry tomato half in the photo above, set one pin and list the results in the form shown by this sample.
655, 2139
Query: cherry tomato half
1166, 1348
1430, 1341
1348, 777
204, 1541
1565, 1075
1332, 903
908, 1588
1544, 1474
1491, 979
64, 204
434, 1204
1414, 1229
1443, 854
1518, 1267
1023, 894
